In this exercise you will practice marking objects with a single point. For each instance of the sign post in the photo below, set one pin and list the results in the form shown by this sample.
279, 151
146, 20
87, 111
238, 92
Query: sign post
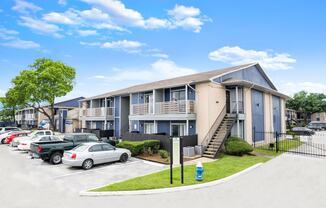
176, 156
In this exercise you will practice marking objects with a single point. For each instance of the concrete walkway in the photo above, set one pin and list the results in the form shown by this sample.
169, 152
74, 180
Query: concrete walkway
287, 181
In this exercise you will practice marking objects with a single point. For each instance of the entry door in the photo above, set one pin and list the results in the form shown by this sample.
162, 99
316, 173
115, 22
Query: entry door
257, 102
178, 130
277, 114
149, 101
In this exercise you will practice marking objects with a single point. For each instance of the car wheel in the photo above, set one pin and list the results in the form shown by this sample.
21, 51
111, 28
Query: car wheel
87, 164
124, 157
56, 158
2, 141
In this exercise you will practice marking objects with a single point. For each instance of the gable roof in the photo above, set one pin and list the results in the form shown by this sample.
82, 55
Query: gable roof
174, 82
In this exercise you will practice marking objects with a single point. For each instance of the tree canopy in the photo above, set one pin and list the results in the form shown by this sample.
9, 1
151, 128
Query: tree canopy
307, 103
41, 84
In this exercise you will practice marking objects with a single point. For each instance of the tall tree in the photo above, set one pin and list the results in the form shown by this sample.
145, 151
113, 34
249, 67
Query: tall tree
39, 86
307, 103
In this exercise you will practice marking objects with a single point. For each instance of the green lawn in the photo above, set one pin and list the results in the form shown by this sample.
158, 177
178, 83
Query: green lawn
284, 146
225, 166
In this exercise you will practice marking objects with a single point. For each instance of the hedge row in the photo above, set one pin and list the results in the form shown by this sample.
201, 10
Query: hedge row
139, 147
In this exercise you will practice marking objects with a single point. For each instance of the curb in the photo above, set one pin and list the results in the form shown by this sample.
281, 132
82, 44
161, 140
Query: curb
169, 190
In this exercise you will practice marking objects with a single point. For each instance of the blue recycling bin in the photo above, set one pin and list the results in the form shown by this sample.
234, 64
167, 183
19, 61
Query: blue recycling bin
199, 171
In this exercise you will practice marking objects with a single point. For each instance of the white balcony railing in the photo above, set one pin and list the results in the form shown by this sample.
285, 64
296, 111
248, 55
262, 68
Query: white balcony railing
171, 107
30, 116
98, 112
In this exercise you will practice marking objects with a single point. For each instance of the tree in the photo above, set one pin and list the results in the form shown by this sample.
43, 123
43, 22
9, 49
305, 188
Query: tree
39, 86
307, 103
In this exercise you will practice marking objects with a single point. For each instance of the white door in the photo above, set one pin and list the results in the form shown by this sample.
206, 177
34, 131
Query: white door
97, 154
148, 128
110, 153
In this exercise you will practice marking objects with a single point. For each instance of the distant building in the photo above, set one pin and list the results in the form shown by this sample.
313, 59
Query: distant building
66, 116
319, 117
291, 117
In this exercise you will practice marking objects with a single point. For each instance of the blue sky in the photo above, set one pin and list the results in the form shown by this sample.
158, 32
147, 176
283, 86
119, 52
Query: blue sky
116, 43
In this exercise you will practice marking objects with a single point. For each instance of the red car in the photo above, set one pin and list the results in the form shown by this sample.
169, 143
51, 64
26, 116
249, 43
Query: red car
13, 135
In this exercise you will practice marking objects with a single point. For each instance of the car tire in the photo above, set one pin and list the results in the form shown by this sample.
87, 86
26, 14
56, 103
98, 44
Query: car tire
3, 141
88, 164
56, 158
124, 157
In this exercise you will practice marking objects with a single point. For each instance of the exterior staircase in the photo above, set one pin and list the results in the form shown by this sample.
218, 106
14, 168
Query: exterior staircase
216, 140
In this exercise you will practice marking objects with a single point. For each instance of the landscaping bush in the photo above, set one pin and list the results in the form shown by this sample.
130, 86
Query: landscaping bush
237, 146
136, 148
164, 154
139, 147
151, 146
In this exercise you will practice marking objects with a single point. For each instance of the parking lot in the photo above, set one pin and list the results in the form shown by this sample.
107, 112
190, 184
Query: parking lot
19, 167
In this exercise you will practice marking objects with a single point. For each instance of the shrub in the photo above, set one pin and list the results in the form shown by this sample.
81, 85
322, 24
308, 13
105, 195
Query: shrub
136, 148
237, 146
151, 146
163, 153
139, 147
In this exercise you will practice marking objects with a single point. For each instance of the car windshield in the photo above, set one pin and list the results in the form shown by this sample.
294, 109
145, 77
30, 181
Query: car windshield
34, 137
80, 148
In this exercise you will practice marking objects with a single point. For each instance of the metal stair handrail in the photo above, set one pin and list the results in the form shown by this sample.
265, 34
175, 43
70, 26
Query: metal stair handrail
213, 128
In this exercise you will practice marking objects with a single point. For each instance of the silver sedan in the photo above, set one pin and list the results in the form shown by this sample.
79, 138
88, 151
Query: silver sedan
89, 154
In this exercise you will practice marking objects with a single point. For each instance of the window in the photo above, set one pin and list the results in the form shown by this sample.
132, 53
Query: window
177, 95
96, 148
149, 128
53, 138
148, 98
48, 133
81, 138
45, 139
107, 147
40, 133
178, 129
92, 138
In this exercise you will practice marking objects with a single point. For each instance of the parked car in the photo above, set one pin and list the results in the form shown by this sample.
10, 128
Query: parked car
53, 151
89, 154
17, 140
303, 131
3, 129
5, 134
317, 125
14, 135
26, 144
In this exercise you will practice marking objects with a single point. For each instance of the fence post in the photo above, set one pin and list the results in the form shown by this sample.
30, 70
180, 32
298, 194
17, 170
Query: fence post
277, 141
254, 136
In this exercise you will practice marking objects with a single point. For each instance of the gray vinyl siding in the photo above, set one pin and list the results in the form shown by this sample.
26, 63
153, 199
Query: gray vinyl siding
277, 114
251, 74
258, 114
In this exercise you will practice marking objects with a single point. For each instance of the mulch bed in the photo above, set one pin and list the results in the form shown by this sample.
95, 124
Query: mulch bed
157, 158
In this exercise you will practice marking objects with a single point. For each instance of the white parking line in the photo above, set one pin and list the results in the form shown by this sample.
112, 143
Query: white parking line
94, 170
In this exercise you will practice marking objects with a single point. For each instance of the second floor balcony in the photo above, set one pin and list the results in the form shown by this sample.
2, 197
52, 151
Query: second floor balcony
163, 108
98, 112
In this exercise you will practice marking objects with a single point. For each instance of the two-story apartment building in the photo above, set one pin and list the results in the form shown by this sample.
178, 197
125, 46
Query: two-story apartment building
66, 116
192, 104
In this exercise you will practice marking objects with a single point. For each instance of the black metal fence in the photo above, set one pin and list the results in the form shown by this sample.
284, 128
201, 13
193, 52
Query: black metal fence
297, 143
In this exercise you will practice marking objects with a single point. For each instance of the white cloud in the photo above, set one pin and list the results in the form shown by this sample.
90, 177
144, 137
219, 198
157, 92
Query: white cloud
160, 55
90, 43
94, 14
40, 26
87, 32
122, 44
7, 34
179, 17
21, 44
161, 69
187, 18
62, 2
290, 88
236, 55
25, 7
69, 17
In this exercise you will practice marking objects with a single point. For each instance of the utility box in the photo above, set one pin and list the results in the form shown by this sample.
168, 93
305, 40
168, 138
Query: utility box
199, 150
189, 151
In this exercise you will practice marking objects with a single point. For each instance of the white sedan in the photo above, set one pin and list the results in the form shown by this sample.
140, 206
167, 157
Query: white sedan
25, 145
17, 140
89, 154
